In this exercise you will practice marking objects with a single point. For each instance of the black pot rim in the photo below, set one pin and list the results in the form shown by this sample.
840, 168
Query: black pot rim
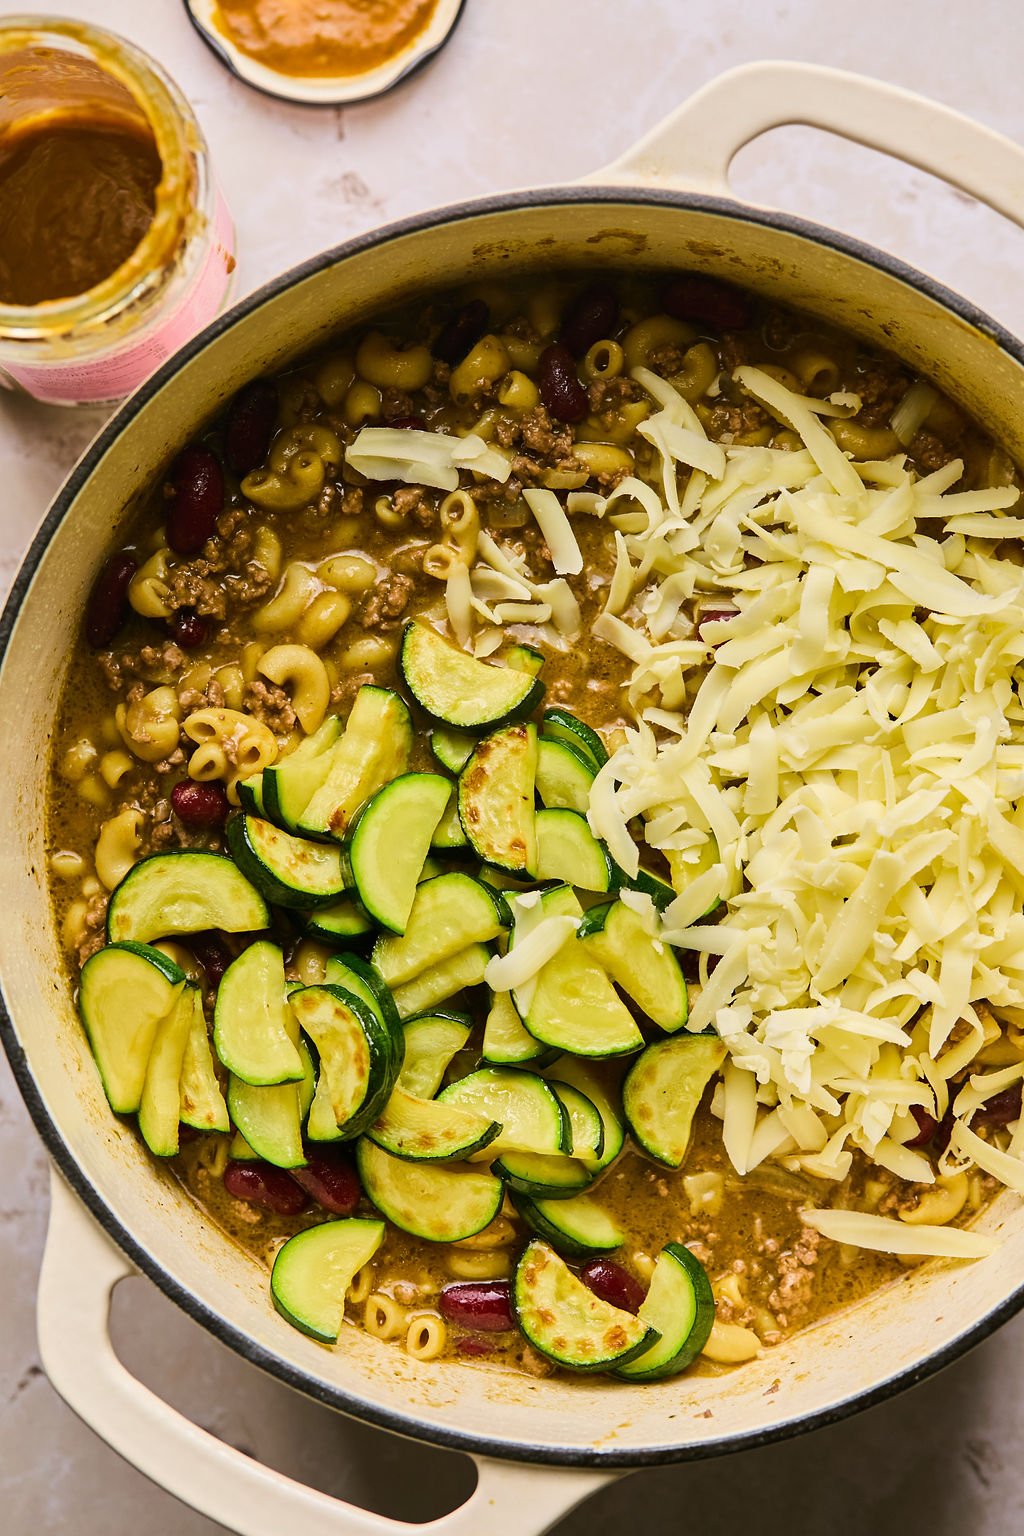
408, 1425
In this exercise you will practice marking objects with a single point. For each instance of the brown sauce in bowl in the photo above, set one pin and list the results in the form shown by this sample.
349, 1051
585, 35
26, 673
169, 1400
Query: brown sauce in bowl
77, 194
323, 37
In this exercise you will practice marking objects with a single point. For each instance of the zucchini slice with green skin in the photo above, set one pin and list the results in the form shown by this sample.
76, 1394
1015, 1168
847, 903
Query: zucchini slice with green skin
313, 1272
187, 891
585, 1122
270, 1119
251, 1021
373, 750
449, 834
663, 1089
571, 1004
290, 871
452, 749
442, 1202
160, 1104
432, 1040
568, 852
660, 892
680, 1304
578, 1226
530, 1113
496, 795
559, 725
359, 1056
567, 1322
250, 795
202, 1103
290, 783
460, 691
426, 1130
543, 1176
523, 658
564, 776
592, 1081
440, 982
126, 991
448, 914
343, 921
646, 969
389, 843
507, 1042
354, 974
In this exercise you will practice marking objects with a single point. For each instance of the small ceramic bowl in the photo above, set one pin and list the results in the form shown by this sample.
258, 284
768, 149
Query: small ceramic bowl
325, 90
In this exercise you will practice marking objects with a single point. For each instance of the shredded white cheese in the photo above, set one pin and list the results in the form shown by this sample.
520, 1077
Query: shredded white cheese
886, 1235
423, 458
566, 556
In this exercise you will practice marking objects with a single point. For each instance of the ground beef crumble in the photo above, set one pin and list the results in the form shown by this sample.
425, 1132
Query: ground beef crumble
386, 603
271, 705
416, 501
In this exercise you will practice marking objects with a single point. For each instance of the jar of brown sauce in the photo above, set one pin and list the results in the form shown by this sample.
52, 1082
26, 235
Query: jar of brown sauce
115, 246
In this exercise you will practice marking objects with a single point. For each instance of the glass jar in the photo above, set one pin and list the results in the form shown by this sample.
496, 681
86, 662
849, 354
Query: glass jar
95, 347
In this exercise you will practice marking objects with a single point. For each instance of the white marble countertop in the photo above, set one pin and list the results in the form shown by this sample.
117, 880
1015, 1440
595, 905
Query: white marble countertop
538, 90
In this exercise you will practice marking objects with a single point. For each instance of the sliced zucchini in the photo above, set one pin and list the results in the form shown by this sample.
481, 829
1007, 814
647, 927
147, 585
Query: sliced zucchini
313, 1272
126, 991
592, 1080
587, 1127
578, 1226
448, 914
543, 1176
389, 843
680, 1304
374, 749
251, 1032
440, 982
460, 691
202, 1103
660, 892
567, 1322
187, 891
290, 783
431, 869
239, 1149
523, 658
663, 1089
449, 834
270, 1119
646, 969
250, 795
571, 1004
290, 871
451, 748
496, 795
431, 1041
426, 1130
442, 1202
507, 1041
530, 1113
564, 776
343, 921
359, 1056
160, 1104
560, 725
567, 851
354, 974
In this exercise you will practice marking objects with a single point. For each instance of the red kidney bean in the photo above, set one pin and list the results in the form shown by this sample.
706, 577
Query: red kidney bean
106, 609
198, 483
560, 389
331, 1180
589, 318
188, 628
483, 1305
212, 954
612, 1284
475, 1348
691, 296
943, 1131
460, 332
250, 426
407, 423
263, 1184
200, 805
926, 1127
1001, 1108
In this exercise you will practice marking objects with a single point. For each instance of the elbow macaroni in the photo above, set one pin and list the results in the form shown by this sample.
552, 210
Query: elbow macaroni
118, 846
306, 676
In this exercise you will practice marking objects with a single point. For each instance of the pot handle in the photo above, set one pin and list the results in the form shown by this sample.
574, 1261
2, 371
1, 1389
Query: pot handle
80, 1268
691, 149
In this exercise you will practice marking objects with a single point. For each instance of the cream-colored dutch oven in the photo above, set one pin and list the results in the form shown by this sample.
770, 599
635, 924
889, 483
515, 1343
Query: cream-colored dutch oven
665, 204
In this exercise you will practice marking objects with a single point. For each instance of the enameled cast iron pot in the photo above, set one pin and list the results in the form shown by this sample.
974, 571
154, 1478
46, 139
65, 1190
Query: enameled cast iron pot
667, 203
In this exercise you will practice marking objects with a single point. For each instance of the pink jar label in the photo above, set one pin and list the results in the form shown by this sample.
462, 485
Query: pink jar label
110, 378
